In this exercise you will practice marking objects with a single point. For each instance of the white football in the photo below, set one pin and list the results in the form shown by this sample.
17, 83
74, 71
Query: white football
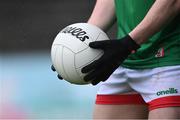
70, 50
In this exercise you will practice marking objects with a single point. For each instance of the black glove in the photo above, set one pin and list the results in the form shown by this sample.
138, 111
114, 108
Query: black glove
53, 69
115, 52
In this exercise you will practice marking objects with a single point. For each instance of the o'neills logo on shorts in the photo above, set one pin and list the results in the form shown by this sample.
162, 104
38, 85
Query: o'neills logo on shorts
77, 32
169, 91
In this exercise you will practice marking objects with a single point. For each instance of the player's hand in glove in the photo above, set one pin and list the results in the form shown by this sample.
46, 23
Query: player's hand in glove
53, 69
115, 52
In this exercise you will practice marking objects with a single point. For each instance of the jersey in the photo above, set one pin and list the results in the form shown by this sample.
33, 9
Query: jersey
162, 49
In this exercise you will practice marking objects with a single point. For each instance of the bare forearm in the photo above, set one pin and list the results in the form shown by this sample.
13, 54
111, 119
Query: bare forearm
162, 12
103, 14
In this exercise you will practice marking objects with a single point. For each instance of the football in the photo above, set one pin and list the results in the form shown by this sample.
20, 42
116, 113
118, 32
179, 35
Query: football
70, 51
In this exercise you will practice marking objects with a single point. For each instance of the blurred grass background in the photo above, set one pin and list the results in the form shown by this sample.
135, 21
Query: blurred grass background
28, 87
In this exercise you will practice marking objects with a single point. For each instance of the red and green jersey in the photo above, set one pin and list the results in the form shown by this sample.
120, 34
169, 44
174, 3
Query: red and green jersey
162, 49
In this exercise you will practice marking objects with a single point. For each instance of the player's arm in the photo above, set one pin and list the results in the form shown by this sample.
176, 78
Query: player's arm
116, 51
103, 14
160, 14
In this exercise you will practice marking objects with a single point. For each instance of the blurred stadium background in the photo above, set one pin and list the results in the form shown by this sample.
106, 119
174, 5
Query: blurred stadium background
28, 87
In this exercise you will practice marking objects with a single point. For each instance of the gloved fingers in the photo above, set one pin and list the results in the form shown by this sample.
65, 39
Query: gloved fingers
52, 68
90, 67
98, 44
95, 82
95, 64
99, 79
91, 75
97, 75
59, 76
101, 76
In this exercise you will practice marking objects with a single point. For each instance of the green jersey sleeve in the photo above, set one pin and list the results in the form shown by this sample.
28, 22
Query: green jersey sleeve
162, 49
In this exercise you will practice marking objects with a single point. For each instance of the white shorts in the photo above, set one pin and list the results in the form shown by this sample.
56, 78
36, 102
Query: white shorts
159, 87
